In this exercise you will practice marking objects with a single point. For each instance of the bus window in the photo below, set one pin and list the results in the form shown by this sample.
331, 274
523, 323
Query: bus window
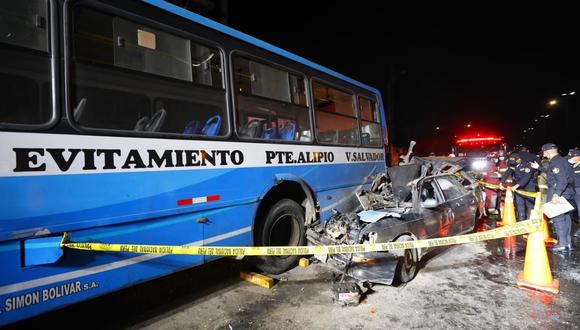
369, 122
271, 102
25, 78
336, 120
131, 77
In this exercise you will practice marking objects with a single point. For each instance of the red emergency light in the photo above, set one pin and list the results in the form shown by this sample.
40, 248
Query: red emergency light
479, 140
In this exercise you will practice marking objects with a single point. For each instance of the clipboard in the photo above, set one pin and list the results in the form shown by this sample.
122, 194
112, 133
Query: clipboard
553, 210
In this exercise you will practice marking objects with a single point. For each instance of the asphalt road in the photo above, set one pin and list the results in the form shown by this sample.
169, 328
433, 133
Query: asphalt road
468, 286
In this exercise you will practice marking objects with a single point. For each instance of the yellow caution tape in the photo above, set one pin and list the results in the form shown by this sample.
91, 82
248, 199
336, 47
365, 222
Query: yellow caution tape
519, 228
521, 192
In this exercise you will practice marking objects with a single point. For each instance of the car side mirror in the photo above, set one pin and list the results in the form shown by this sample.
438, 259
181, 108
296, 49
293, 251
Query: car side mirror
429, 203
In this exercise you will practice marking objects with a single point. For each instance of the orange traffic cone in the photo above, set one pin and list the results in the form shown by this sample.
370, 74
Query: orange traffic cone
537, 274
509, 211
548, 240
544, 228
544, 225
537, 204
509, 247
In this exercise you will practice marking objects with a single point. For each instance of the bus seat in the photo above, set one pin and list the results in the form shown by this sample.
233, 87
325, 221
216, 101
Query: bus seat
269, 133
288, 131
156, 121
79, 110
305, 135
253, 129
212, 126
192, 128
335, 136
348, 137
366, 138
141, 123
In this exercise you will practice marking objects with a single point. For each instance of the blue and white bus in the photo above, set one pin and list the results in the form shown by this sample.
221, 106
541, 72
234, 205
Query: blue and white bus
141, 122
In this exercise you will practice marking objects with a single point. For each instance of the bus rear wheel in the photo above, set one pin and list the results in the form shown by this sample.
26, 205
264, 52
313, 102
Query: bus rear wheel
282, 225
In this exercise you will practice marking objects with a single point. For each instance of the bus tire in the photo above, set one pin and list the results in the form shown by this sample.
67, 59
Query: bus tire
282, 225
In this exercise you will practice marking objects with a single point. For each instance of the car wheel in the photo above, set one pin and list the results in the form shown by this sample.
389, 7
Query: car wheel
407, 267
282, 225
477, 221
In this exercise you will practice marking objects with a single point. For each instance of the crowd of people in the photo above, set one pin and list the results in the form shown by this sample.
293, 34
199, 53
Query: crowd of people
557, 177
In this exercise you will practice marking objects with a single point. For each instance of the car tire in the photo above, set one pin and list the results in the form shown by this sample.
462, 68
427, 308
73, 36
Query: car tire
476, 221
282, 225
408, 265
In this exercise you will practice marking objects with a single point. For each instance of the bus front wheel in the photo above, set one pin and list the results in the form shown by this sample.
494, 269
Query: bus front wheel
282, 225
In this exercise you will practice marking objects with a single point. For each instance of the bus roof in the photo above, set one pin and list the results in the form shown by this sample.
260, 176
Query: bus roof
249, 39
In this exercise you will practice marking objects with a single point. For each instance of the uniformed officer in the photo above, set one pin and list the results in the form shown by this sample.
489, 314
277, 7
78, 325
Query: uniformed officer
574, 160
501, 162
560, 185
527, 156
522, 177
501, 166
491, 176
542, 179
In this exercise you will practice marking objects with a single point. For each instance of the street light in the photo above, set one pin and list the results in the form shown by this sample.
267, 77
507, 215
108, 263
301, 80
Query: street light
554, 102
468, 125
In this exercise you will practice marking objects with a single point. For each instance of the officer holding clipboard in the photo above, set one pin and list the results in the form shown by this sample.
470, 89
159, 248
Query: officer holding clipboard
560, 185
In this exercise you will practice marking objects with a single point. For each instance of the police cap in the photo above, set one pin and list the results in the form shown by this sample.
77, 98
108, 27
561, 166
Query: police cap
513, 157
549, 146
573, 153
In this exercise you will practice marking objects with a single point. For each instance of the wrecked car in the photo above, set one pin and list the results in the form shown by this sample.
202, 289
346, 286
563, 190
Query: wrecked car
427, 198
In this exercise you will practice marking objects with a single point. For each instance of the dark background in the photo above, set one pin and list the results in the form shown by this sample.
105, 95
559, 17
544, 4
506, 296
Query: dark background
494, 65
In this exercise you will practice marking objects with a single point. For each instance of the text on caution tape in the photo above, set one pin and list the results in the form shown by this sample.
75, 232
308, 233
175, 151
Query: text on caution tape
519, 228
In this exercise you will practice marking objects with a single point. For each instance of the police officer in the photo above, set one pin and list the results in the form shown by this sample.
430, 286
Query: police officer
527, 156
560, 185
501, 166
522, 177
574, 160
542, 179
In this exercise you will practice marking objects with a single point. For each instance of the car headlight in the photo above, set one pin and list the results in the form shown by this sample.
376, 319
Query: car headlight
478, 165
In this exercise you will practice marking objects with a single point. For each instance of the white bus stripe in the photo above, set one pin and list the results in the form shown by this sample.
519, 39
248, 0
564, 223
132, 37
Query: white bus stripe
25, 154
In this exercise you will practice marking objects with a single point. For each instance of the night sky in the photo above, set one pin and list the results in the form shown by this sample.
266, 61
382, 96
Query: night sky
492, 64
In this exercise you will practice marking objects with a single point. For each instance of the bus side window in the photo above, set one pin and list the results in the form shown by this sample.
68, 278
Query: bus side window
25, 67
271, 102
336, 117
370, 122
133, 77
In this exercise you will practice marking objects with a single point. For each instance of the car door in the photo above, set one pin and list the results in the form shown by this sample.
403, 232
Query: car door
434, 210
459, 204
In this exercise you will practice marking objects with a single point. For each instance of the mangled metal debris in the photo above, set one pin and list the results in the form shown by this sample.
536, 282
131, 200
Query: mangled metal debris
346, 293
423, 199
